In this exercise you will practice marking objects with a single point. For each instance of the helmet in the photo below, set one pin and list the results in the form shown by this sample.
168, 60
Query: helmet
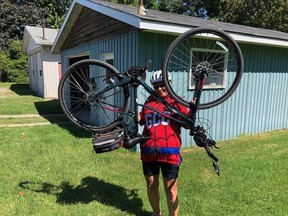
157, 77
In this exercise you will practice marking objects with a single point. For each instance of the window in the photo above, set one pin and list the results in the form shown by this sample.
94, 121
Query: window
108, 58
215, 60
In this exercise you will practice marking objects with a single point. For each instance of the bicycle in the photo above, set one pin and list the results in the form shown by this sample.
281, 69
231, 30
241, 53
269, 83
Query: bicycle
95, 96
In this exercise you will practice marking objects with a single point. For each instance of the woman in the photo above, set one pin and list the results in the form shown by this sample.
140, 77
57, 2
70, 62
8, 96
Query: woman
162, 150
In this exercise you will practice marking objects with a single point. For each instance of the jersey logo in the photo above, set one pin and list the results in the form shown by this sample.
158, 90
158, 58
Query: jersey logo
154, 119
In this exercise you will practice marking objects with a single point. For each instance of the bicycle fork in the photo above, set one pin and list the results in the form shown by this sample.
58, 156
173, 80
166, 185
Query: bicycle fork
198, 133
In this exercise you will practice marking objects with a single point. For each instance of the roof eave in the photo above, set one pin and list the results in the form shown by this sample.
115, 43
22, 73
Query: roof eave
179, 29
74, 12
66, 27
25, 41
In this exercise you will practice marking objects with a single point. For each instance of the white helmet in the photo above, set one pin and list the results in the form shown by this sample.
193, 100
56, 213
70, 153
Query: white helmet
157, 77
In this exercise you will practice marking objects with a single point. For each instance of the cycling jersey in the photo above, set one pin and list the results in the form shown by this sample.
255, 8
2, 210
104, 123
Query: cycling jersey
165, 142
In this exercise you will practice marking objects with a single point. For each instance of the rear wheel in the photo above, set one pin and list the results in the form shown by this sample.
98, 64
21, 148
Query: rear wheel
199, 49
84, 100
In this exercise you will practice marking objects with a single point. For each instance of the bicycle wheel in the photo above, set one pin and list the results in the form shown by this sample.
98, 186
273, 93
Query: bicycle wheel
85, 99
206, 49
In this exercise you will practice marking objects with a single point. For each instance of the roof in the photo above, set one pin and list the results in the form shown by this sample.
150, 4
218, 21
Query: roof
36, 34
165, 22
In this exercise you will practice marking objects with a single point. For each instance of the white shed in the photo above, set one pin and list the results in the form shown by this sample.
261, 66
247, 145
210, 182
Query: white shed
44, 67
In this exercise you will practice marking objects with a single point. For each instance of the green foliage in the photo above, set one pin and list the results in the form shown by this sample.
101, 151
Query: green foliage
271, 14
15, 15
13, 64
170, 6
3, 63
55, 11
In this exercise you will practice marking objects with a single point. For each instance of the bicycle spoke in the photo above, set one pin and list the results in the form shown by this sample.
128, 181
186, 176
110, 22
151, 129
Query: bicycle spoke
203, 50
79, 95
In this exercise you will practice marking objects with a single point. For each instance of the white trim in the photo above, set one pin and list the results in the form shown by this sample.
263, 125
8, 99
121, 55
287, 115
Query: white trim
171, 28
107, 56
164, 27
259, 40
223, 53
77, 55
64, 24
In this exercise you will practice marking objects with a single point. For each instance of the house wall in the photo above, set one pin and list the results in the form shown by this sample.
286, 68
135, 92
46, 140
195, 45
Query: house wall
125, 49
32, 51
35, 65
43, 70
260, 103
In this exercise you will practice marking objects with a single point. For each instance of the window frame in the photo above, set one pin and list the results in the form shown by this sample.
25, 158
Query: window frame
108, 57
225, 67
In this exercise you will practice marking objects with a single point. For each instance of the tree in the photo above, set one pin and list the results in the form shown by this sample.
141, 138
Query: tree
13, 20
13, 64
272, 14
16, 14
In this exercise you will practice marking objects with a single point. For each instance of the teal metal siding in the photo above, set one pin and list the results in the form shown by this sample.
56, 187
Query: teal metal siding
125, 49
260, 103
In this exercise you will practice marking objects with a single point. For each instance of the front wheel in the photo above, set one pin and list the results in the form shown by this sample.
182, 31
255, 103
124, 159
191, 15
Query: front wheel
211, 50
85, 100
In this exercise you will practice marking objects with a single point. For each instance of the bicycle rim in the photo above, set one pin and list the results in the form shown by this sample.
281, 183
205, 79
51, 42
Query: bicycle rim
203, 48
82, 102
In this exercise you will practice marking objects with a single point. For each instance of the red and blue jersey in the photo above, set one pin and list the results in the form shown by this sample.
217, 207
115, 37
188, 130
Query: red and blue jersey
165, 141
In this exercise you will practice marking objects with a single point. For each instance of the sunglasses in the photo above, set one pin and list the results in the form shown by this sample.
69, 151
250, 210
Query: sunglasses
158, 86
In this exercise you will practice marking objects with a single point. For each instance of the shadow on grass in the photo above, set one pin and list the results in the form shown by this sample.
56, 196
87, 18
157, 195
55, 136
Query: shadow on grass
48, 107
89, 190
22, 89
51, 111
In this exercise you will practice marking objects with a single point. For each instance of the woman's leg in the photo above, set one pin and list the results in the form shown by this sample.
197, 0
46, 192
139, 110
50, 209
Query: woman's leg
170, 186
152, 183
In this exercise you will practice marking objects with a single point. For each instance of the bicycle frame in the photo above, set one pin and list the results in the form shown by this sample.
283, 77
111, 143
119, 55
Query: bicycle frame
134, 82
132, 137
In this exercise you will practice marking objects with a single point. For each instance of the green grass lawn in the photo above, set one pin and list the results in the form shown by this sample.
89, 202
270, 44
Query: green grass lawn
18, 99
51, 170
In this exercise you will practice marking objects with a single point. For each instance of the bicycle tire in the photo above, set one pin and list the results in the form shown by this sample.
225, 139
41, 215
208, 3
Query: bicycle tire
208, 48
81, 102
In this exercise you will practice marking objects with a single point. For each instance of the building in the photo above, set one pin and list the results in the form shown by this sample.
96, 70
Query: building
118, 34
44, 67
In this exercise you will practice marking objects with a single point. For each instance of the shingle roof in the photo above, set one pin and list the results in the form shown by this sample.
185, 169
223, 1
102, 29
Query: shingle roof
189, 21
36, 34
165, 22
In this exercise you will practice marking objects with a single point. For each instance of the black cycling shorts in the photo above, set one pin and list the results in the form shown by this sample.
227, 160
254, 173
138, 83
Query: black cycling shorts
169, 171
